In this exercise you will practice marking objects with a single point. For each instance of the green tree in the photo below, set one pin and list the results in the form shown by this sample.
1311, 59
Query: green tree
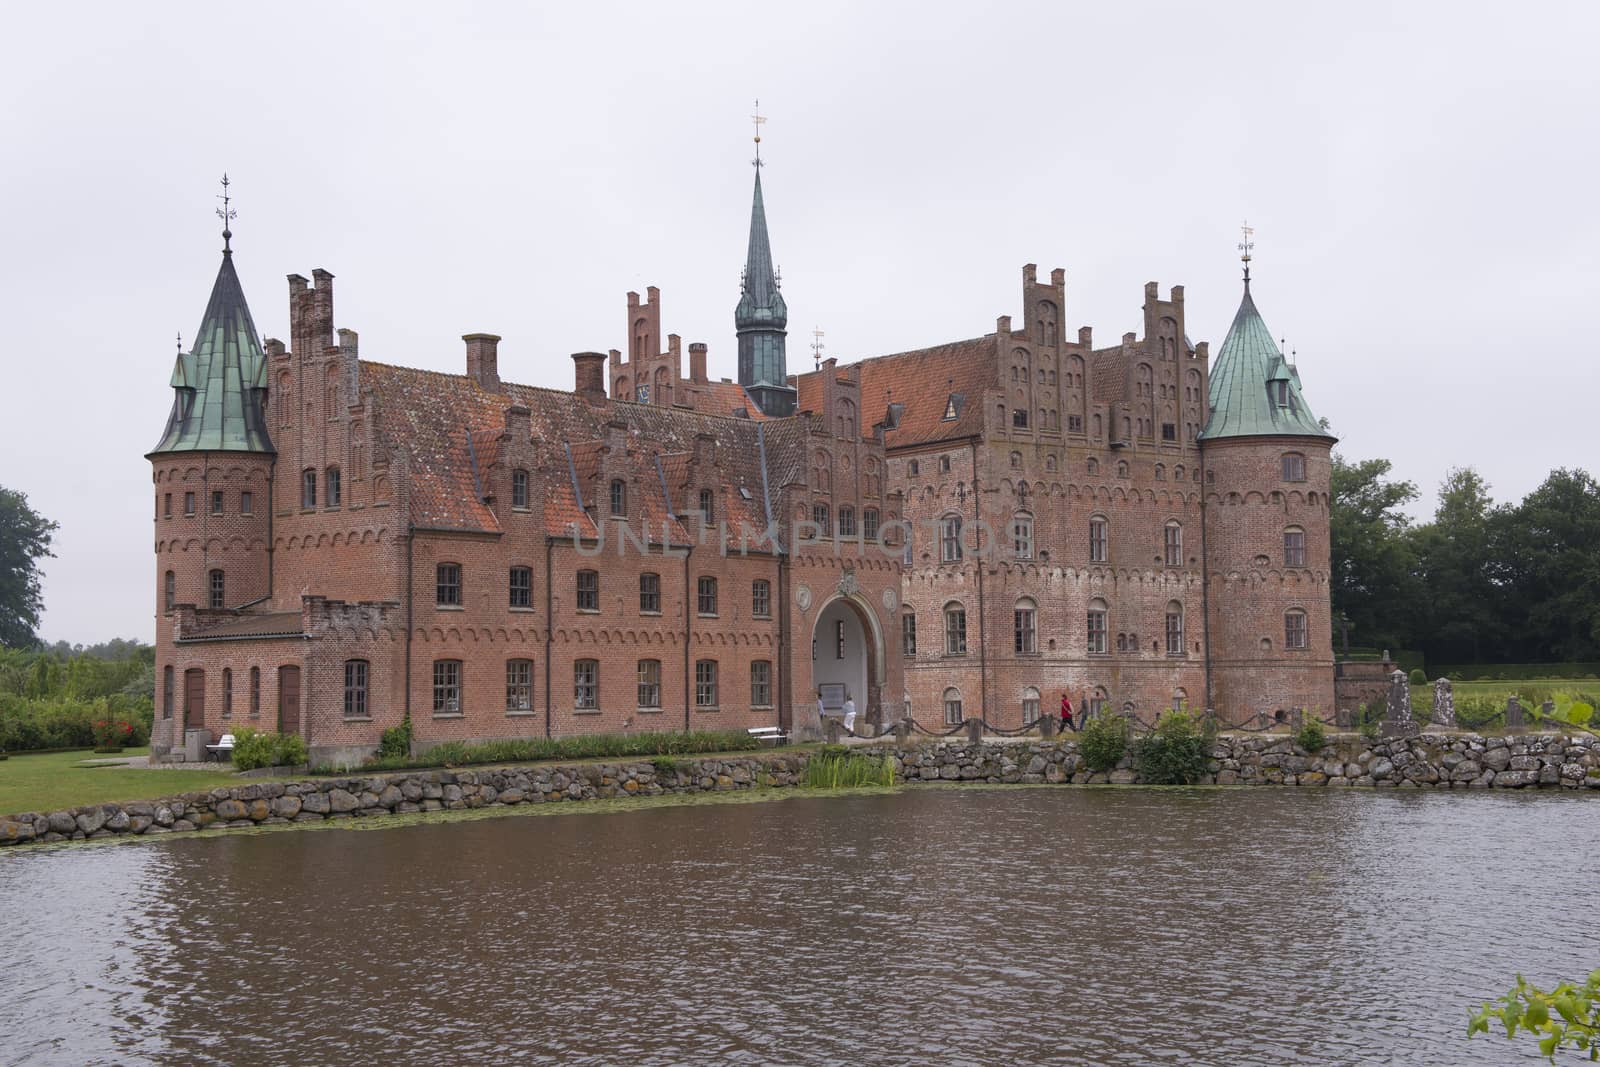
1374, 581
1549, 552
1566, 1017
1463, 609
24, 540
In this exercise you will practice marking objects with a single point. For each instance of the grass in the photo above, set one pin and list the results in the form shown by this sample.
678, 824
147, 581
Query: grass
698, 743
831, 769
56, 780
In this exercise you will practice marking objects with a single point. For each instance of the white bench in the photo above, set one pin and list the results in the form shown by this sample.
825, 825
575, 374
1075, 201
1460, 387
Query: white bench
222, 751
768, 733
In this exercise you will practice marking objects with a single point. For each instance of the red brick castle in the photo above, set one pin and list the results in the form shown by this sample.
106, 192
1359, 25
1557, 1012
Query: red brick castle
962, 531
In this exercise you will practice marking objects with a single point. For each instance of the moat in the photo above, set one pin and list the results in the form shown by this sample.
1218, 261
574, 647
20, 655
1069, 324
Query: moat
951, 925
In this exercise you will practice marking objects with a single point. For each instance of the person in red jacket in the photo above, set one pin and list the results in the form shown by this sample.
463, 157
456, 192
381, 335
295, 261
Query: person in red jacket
1066, 713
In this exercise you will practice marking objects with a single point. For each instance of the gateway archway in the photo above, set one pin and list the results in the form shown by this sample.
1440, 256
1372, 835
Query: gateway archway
846, 659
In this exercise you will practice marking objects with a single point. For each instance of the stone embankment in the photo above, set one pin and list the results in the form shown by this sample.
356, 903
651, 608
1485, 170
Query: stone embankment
1432, 761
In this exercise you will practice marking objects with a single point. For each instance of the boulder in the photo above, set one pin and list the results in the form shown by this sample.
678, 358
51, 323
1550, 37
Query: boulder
341, 801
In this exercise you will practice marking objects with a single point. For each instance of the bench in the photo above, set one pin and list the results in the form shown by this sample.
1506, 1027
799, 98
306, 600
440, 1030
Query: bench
768, 733
222, 751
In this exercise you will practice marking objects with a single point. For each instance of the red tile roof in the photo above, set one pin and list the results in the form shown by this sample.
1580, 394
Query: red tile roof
922, 381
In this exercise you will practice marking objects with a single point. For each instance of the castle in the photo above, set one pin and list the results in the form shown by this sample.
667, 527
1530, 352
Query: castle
957, 532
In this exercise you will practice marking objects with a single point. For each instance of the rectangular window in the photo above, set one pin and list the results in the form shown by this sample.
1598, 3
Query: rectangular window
1097, 631
619, 498
761, 683
1294, 630
355, 689
705, 683
950, 539
650, 594
908, 635
1294, 548
1019, 418
1174, 633
521, 587
166, 692
955, 631
649, 683
216, 501
1294, 467
1023, 632
447, 585
838, 639
166, 505
952, 709
308, 489
586, 684
1097, 540
1173, 545
218, 590
227, 692
519, 489
847, 522
1074, 423
447, 687
519, 685
708, 506
706, 596
819, 518
1030, 709
255, 692
247, 503
332, 494
869, 524
588, 590
1022, 537
188, 503
761, 598
1169, 431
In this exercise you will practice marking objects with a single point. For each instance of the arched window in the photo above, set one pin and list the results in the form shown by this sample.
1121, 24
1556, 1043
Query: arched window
908, 633
1161, 472
1016, 461
308, 488
1172, 543
1097, 701
944, 464
847, 419
282, 399
952, 707
169, 591
217, 589
955, 629
1047, 332
1025, 627
1294, 629
1174, 628
1097, 626
1049, 463
619, 387
1180, 698
1022, 536
1177, 473
1092, 465
1122, 468
1099, 427
1030, 705
1098, 528
1294, 547
913, 468
619, 498
950, 538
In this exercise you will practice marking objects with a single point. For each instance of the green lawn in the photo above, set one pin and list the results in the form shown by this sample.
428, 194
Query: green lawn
56, 780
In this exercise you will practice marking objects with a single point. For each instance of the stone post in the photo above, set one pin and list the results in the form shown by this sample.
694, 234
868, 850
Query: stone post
1297, 718
902, 731
974, 730
1344, 718
1047, 726
1444, 703
1514, 717
1397, 720
835, 730
1210, 716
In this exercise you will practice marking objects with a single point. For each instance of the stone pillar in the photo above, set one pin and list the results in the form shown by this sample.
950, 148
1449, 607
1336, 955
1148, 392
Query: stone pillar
1344, 718
974, 730
1397, 720
902, 731
1210, 717
1047, 726
1297, 718
834, 730
1444, 703
1514, 714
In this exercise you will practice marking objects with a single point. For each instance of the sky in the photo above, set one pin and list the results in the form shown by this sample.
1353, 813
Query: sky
1419, 177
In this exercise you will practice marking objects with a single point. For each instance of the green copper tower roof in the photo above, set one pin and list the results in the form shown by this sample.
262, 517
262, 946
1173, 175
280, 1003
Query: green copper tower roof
219, 385
760, 319
1255, 392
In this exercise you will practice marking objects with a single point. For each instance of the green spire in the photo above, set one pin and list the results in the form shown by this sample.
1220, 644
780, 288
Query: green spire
1255, 392
760, 320
219, 385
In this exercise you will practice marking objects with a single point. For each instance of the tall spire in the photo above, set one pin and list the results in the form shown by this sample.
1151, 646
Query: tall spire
761, 314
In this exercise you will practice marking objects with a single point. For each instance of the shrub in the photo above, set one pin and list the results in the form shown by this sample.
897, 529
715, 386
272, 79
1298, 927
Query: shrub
1176, 752
1476, 713
257, 748
112, 733
832, 769
1417, 677
395, 742
1311, 736
595, 746
1103, 742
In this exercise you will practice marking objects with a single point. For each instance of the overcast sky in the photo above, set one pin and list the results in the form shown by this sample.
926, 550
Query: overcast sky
1421, 179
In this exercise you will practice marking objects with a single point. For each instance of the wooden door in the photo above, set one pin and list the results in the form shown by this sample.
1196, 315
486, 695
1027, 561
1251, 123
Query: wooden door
194, 699
288, 700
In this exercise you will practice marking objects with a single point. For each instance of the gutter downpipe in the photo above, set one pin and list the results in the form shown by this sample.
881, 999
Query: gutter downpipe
411, 539
549, 629
688, 606
983, 643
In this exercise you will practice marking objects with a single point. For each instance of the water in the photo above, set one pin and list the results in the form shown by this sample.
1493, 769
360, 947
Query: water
953, 925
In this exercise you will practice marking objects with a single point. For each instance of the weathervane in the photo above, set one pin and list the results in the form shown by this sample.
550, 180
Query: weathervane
180, 342
759, 120
817, 346
226, 214
1245, 246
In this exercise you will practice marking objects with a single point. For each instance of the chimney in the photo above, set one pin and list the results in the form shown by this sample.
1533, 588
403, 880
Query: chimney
321, 310
1030, 274
518, 423
697, 362
589, 375
483, 360
349, 344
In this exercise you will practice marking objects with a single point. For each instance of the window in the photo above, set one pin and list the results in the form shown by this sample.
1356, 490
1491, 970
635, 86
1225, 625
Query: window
761, 683
955, 630
1019, 418
255, 691
1022, 536
247, 503
521, 587
1172, 544
820, 519
1097, 539
950, 538
447, 585
708, 510
908, 634
188, 503
706, 596
447, 687
1024, 636
216, 501
761, 598
1092, 466
519, 685
1074, 423
217, 589
166, 505
1030, 705
1174, 628
1294, 547
586, 684
649, 594
1169, 431
1122, 469
1294, 629
869, 524
332, 494
944, 464
1294, 467
308, 489
619, 498
913, 468
355, 689
519, 489
1097, 626
705, 683
1016, 461
838, 639
649, 683
166, 692
1161, 472
227, 692
588, 590
952, 707
847, 522
1280, 393
169, 591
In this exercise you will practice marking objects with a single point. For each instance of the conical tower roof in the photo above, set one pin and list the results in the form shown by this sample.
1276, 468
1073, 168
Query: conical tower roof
1255, 392
760, 304
218, 385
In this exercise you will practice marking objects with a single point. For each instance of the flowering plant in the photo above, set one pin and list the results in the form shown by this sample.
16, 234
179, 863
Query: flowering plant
112, 733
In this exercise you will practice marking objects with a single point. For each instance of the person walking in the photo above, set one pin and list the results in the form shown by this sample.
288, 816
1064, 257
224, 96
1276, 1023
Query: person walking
822, 712
849, 714
1066, 714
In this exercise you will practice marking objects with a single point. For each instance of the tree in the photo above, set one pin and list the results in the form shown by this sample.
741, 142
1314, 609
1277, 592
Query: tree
1463, 611
1549, 549
1566, 1017
24, 540
1374, 580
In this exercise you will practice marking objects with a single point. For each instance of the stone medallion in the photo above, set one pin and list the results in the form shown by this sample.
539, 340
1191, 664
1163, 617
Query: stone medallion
890, 600
802, 598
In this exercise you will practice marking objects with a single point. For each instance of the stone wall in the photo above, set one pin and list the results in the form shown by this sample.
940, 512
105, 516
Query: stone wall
1435, 761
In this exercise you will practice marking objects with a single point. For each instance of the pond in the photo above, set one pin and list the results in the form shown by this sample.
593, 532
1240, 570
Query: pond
940, 924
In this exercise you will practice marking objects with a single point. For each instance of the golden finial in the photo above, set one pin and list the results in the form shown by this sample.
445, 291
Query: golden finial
816, 345
759, 120
226, 214
1245, 245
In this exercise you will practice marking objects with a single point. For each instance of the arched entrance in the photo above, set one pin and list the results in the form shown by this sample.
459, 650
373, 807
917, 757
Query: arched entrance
846, 660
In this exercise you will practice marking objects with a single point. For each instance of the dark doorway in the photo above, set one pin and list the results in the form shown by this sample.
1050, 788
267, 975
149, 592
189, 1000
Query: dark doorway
288, 700
194, 699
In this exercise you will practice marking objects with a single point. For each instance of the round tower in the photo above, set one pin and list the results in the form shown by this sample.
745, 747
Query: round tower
1267, 462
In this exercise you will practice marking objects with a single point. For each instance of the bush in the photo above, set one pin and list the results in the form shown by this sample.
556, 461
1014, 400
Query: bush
1103, 742
1417, 677
1177, 752
29, 724
257, 748
395, 742
1312, 737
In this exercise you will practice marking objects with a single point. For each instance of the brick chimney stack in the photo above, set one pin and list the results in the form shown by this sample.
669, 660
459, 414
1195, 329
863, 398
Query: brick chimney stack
697, 362
483, 360
589, 375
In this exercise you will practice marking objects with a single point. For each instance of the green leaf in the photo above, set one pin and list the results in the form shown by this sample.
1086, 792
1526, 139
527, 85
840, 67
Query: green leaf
1548, 1045
1537, 1014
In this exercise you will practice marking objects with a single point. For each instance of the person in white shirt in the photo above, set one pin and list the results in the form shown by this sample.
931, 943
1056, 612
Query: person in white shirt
849, 714
822, 713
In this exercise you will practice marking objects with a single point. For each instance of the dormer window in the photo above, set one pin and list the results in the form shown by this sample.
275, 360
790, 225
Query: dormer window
1280, 393
619, 498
